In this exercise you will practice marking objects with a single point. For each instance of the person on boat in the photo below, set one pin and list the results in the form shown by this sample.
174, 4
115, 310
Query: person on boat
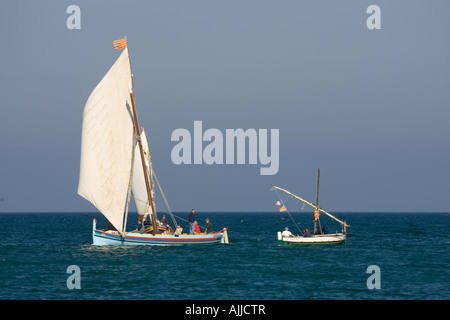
307, 233
140, 227
209, 227
191, 220
169, 229
316, 230
323, 230
196, 228
287, 233
163, 220
110, 226
179, 230
147, 221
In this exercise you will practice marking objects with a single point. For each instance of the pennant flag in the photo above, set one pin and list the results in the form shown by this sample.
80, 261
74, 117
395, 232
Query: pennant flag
283, 208
316, 214
120, 44
278, 203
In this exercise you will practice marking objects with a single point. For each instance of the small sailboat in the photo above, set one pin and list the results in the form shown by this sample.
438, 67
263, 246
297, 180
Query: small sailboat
318, 236
115, 162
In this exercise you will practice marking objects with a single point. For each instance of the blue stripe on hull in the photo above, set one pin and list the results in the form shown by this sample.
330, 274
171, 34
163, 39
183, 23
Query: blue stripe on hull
102, 238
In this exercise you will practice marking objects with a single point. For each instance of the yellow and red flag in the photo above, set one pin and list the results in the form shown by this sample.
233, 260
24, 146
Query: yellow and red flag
283, 208
120, 44
316, 214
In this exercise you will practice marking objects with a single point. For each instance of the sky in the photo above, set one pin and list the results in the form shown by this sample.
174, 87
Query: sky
369, 107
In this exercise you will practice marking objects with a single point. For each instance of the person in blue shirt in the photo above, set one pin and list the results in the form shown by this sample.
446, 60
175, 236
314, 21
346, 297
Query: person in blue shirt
307, 233
191, 220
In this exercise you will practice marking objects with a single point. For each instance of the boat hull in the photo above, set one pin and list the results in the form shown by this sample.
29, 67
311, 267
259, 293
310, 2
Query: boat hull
113, 238
322, 239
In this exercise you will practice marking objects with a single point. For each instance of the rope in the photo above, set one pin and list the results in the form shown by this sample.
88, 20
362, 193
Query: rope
178, 217
188, 221
165, 200
282, 202
168, 207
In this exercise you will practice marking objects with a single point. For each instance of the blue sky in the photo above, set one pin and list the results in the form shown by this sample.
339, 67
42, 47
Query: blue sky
370, 108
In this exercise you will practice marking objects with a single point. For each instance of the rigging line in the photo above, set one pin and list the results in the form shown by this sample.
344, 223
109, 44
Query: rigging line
310, 204
288, 212
165, 200
168, 207
165, 211
188, 221
162, 210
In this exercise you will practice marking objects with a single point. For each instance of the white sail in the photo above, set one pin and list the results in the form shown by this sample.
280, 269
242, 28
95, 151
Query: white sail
138, 186
107, 141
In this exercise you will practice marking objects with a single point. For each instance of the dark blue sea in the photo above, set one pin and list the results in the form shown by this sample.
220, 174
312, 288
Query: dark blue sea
411, 251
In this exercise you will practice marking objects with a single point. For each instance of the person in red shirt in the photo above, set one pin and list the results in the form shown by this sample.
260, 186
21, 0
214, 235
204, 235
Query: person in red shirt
196, 228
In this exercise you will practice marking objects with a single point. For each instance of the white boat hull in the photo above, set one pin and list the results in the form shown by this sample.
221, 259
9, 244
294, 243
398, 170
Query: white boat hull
113, 238
337, 238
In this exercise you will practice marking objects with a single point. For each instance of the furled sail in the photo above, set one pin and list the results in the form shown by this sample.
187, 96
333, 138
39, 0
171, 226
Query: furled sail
139, 189
107, 143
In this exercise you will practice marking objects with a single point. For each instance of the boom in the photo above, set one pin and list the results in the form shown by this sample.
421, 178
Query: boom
311, 204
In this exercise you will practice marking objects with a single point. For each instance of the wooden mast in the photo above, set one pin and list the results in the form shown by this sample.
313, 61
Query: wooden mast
141, 151
317, 201
317, 189
144, 167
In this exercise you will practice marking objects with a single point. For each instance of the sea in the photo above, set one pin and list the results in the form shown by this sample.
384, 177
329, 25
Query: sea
387, 256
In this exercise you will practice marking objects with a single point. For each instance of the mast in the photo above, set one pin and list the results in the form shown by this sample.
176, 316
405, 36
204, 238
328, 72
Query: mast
141, 151
316, 211
147, 183
317, 189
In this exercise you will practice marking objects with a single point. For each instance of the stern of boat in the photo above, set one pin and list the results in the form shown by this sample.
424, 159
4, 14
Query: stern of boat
224, 234
280, 238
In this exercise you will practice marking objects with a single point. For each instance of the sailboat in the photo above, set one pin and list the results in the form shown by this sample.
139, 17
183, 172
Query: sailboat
115, 162
318, 236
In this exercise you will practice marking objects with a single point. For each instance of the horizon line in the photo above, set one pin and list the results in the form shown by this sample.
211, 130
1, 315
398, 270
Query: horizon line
213, 212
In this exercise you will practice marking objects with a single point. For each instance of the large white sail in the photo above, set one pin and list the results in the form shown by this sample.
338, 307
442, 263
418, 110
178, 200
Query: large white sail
107, 141
138, 187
